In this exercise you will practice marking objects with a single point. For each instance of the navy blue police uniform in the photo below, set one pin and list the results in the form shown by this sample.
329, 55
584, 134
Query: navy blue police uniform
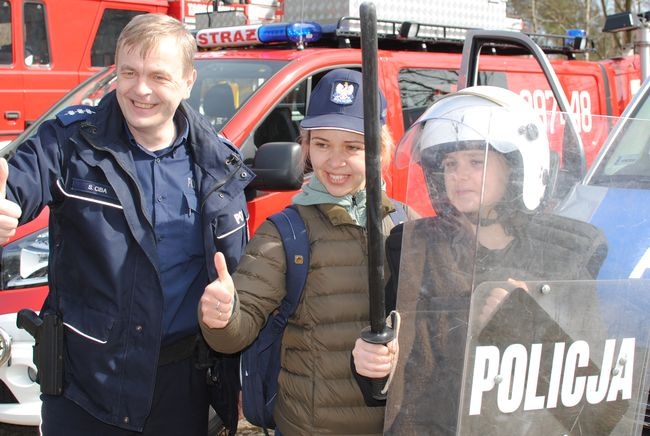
132, 237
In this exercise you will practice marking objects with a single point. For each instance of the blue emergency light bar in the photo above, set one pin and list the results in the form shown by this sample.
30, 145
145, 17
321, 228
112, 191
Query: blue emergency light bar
221, 37
291, 32
402, 35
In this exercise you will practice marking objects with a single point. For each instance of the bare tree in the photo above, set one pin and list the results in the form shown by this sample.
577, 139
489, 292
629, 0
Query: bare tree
557, 16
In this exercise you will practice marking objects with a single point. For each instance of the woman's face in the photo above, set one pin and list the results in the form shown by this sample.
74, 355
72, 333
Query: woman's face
463, 175
339, 160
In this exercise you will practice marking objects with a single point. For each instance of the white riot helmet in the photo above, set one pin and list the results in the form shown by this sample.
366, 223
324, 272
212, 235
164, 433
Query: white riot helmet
479, 117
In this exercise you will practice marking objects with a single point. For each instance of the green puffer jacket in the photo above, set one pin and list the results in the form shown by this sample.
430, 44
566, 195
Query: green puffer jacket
317, 391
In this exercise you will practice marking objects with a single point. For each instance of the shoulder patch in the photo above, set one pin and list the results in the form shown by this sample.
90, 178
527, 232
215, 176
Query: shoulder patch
229, 143
73, 114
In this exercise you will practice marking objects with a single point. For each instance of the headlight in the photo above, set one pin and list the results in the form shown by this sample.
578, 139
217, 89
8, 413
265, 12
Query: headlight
5, 347
24, 262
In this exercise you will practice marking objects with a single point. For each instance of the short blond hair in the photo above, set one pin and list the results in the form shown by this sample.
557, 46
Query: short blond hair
145, 31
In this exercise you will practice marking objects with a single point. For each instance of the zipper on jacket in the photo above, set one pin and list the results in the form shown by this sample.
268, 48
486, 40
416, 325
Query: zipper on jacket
233, 159
133, 178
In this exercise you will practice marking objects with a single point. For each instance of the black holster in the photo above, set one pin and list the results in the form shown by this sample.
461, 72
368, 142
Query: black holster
222, 376
48, 348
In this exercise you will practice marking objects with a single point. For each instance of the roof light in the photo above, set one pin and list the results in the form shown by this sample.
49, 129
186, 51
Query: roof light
294, 32
258, 34
577, 39
621, 21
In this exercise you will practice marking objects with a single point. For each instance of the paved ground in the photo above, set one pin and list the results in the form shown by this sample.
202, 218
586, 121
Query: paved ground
14, 430
244, 428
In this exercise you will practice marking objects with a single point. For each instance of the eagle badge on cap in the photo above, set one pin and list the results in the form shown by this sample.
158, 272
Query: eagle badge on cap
343, 93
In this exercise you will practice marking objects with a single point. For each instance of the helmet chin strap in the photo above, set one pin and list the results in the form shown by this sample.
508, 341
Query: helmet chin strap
482, 221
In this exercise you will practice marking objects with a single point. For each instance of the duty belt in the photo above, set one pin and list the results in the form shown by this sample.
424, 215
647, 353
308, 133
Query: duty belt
179, 350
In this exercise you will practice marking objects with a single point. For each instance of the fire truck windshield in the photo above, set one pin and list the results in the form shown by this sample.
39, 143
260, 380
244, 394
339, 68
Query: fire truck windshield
222, 87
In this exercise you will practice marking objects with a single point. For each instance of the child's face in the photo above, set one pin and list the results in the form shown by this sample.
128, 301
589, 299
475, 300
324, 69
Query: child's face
338, 159
463, 173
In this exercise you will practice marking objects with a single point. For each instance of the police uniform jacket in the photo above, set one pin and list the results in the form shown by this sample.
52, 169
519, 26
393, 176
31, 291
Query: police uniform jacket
103, 274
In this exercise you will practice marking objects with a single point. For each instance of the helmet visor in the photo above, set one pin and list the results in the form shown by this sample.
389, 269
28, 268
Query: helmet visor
472, 125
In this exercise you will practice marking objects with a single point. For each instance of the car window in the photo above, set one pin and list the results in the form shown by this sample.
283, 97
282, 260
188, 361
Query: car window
5, 33
113, 21
421, 87
37, 47
627, 163
281, 124
222, 87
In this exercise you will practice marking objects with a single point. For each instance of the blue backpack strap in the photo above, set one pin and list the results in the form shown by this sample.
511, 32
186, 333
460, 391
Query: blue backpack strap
296, 247
260, 362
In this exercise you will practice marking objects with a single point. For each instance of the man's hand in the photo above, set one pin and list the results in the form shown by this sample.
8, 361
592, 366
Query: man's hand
9, 211
374, 360
218, 297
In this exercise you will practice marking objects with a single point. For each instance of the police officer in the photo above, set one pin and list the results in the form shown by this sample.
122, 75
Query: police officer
141, 192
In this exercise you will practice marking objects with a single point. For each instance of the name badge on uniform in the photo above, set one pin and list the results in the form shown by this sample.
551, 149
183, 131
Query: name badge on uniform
93, 188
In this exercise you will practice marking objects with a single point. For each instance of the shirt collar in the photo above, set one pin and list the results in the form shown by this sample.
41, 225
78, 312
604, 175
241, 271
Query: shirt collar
182, 126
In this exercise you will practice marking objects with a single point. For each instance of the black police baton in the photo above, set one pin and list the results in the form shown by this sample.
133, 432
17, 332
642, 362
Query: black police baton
377, 332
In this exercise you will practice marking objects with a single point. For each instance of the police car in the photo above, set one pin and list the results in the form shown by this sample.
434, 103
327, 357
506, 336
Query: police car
614, 195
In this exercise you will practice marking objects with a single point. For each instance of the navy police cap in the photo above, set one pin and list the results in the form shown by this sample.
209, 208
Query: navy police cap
337, 103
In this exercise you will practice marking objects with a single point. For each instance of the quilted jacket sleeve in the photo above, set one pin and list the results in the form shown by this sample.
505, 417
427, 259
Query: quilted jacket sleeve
260, 287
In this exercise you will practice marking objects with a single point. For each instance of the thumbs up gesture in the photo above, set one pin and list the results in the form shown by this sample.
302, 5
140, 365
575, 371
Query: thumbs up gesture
9, 211
217, 300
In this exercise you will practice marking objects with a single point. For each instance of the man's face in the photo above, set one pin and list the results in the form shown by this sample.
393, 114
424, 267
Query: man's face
150, 89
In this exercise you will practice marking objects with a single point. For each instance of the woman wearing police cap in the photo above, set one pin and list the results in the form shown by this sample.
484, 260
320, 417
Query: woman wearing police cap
317, 393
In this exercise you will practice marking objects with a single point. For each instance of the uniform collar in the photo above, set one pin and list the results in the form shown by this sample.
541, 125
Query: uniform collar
182, 126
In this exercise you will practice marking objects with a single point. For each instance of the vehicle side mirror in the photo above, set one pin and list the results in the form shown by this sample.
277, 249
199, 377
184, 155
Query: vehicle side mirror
278, 167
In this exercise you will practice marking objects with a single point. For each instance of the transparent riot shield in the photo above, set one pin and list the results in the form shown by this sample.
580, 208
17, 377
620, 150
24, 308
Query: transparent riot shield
506, 326
552, 358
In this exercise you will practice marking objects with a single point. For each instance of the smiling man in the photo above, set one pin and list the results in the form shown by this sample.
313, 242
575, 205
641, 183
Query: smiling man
141, 191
